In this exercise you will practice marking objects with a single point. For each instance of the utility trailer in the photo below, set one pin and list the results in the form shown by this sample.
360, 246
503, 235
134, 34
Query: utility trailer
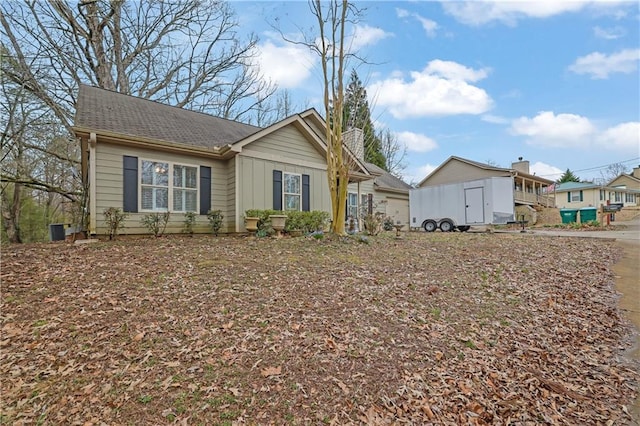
461, 205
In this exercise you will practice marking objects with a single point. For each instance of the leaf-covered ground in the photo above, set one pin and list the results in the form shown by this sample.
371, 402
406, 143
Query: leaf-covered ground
431, 328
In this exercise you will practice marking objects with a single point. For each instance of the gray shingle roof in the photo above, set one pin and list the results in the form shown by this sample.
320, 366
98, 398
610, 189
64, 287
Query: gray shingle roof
386, 179
99, 109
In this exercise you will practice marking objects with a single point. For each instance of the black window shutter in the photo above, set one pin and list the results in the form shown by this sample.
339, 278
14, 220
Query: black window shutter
277, 190
130, 184
305, 194
581, 199
569, 196
205, 189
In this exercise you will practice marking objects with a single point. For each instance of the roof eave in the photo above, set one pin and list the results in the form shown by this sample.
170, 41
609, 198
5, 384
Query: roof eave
218, 152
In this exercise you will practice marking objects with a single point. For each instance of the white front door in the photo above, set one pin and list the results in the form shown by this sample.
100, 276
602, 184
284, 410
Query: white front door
474, 205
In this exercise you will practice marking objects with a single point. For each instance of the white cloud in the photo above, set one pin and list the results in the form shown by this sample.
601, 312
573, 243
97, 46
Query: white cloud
288, 65
495, 119
442, 88
428, 25
547, 130
599, 65
608, 33
402, 13
454, 71
554, 131
364, 35
545, 170
416, 142
624, 137
416, 175
477, 13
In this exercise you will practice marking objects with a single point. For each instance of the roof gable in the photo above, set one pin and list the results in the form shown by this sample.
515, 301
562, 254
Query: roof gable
104, 110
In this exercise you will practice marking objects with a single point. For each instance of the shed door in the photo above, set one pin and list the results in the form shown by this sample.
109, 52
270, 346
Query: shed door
474, 205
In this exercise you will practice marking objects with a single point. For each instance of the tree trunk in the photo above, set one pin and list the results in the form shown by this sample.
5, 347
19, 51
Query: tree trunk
10, 215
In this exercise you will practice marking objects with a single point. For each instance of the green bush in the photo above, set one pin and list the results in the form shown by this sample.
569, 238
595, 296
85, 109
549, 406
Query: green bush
114, 217
215, 220
306, 222
189, 221
156, 223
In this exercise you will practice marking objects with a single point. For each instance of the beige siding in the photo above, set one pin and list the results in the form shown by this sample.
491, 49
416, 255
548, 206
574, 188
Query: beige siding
109, 187
397, 208
231, 195
458, 171
625, 181
256, 184
287, 143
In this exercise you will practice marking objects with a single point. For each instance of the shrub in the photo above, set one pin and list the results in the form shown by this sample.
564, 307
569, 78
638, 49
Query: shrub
114, 217
387, 224
306, 222
215, 220
189, 221
156, 223
373, 223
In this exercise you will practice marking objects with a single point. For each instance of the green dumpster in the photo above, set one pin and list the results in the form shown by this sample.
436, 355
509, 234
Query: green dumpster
588, 214
569, 215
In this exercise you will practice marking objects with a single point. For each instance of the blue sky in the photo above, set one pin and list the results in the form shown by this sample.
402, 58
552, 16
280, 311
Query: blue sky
556, 83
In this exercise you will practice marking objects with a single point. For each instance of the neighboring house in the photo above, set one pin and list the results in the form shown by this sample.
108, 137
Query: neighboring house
144, 157
627, 181
528, 189
576, 195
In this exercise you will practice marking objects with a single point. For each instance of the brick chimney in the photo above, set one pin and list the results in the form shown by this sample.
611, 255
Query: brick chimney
636, 172
521, 165
354, 140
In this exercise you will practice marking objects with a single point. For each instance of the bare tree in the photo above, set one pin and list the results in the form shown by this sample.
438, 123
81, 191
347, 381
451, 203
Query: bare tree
275, 108
185, 53
394, 152
613, 171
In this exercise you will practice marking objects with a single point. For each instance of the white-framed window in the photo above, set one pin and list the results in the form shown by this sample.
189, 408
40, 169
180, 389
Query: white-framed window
292, 191
164, 184
575, 196
352, 205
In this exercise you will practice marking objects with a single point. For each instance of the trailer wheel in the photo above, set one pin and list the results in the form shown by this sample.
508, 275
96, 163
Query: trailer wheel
430, 225
446, 226
463, 228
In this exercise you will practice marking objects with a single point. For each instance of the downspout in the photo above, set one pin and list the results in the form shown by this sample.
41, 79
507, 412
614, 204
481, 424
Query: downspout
93, 140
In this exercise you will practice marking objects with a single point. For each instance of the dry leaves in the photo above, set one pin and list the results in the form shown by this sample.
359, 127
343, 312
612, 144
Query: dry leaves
433, 328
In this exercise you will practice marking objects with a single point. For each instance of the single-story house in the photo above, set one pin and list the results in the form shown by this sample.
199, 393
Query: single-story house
528, 189
576, 195
144, 157
627, 181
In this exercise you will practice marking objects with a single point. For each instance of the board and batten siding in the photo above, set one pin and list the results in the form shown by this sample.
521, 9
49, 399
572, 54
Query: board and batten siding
457, 171
287, 143
286, 150
109, 188
255, 185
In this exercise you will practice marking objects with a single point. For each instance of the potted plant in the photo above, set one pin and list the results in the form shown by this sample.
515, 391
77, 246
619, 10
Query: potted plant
278, 222
251, 219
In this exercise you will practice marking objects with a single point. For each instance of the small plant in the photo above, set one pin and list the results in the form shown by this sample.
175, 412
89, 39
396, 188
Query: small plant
156, 223
189, 221
114, 217
373, 223
387, 224
215, 220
